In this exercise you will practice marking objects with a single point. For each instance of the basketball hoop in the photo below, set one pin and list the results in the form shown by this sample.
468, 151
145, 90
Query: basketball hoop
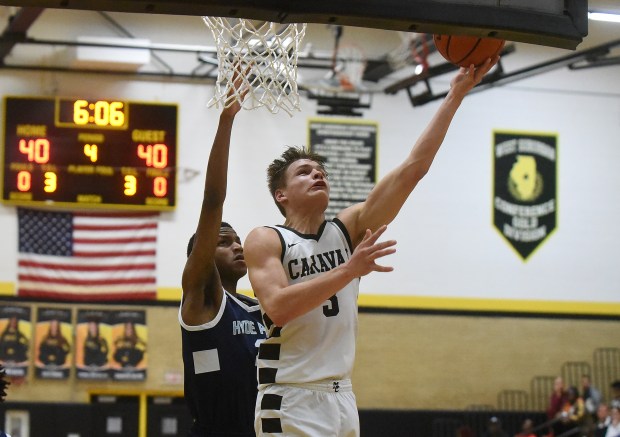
354, 64
270, 50
413, 50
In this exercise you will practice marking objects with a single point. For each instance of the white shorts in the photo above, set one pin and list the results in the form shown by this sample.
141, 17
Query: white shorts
320, 409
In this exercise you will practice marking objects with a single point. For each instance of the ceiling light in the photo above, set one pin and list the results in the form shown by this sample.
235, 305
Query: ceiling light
604, 16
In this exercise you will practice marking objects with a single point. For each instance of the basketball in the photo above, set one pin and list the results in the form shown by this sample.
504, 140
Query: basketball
464, 50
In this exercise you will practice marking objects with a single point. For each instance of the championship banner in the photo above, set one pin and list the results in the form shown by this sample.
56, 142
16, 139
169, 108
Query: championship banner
350, 152
53, 343
93, 337
525, 189
15, 335
129, 337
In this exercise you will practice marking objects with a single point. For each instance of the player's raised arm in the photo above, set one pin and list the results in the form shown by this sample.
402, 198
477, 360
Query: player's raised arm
283, 302
202, 288
388, 196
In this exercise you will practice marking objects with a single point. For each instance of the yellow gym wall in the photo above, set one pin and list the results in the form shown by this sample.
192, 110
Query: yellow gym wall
404, 361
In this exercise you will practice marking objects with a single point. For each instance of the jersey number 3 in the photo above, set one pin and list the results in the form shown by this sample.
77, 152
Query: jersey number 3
332, 309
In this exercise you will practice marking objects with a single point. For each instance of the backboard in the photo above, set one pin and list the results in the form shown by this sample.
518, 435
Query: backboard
554, 23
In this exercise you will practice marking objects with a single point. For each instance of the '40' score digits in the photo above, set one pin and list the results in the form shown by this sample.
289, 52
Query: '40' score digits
155, 156
38, 151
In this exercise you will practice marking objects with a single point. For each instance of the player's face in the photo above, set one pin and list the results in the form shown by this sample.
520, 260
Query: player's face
306, 183
229, 254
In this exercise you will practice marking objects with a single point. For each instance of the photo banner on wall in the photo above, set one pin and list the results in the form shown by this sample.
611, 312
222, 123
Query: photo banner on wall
53, 343
525, 188
15, 335
93, 337
350, 152
129, 350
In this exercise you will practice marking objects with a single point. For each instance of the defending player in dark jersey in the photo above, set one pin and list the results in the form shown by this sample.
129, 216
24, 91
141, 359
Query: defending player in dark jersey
308, 294
220, 329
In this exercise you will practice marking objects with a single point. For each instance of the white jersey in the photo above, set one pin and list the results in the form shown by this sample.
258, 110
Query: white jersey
320, 344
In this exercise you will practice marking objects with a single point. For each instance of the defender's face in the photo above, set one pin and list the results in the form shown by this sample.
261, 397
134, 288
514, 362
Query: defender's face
229, 254
306, 181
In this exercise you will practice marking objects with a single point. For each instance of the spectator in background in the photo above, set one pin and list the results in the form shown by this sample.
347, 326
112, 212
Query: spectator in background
573, 411
613, 430
591, 396
603, 419
556, 402
527, 429
494, 428
465, 431
615, 394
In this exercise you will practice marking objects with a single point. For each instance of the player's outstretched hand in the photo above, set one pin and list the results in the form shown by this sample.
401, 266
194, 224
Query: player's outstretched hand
469, 77
368, 251
239, 88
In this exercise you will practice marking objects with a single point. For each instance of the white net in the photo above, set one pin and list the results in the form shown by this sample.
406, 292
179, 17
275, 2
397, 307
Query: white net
271, 51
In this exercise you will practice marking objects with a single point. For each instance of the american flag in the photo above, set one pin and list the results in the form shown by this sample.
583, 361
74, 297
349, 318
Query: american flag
87, 256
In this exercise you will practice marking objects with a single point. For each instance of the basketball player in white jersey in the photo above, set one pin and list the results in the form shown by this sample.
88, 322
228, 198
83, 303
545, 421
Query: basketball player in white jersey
306, 272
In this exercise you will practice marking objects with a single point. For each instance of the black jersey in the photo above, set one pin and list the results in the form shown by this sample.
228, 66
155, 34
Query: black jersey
54, 351
219, 360
95, 351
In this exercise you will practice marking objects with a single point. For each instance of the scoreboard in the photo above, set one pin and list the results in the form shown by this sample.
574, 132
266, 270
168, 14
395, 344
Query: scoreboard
89, 153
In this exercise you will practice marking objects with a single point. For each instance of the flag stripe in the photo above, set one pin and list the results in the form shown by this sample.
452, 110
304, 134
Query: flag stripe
128, 227
86, 282
66, 261
28, 264
114, 240
87, 255
86, 297
90, 273
101, 289
115, 254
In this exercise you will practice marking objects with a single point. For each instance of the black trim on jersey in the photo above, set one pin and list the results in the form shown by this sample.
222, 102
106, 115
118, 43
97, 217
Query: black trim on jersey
271, 426
267, 375
269, 351
316, 236
344, 230
276, 332
271, 402
281, 242
268, 321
